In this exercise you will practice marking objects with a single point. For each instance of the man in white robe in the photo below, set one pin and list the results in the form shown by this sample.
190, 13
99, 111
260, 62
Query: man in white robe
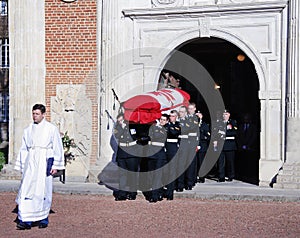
40, 156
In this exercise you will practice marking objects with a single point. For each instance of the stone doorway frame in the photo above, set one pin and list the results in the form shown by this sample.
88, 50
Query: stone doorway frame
233, 23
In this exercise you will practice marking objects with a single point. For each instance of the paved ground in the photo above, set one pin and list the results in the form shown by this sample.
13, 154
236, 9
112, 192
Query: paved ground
101, 216
210, 210
209, 190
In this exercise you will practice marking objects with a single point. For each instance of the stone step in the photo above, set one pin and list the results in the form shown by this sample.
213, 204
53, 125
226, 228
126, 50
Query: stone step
9, 173
109, 174
10, 177
286, 186
289, 177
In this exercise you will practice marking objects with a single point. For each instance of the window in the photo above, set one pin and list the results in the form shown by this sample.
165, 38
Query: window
4, 51
4, 102
4, 8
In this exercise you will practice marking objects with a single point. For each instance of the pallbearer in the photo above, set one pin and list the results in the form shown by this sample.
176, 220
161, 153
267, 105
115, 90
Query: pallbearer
172, 145
193, 138
127, 159
156, 157
184, 149
204, 137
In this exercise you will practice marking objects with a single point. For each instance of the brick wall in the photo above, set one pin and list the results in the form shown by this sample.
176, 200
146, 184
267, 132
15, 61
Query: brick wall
71, 51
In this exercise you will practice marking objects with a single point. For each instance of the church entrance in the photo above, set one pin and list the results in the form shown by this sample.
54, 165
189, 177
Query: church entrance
236, 78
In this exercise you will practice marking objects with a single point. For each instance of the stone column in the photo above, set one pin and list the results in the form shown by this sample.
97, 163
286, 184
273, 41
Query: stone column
290, 176
293, 117
27, 65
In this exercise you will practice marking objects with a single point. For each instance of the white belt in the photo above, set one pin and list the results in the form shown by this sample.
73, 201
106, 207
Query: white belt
128, 144
38, 147
192, 134
156, 143
183, 136
172, 140
230, 138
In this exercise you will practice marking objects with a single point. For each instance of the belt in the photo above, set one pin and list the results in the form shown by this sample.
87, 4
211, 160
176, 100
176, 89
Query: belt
128, 143
192, 134
156, 143
183, 136
230, 138
172, 140
38, 147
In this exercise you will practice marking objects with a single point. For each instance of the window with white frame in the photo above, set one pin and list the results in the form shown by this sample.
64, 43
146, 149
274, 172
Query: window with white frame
4, 51
4, 8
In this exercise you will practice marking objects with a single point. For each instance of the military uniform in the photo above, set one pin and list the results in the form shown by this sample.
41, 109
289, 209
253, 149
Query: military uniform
156, 157
228, 152
204, 137
127, 160
187, 152
191, 173
172, 145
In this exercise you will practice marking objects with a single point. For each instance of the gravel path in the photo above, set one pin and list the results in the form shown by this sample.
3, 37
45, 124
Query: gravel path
101, 216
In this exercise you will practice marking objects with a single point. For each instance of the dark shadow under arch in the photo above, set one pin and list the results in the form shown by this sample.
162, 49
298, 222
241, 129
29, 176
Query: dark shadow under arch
236, 76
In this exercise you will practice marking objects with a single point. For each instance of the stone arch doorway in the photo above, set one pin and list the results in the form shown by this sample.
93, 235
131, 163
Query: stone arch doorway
236, 77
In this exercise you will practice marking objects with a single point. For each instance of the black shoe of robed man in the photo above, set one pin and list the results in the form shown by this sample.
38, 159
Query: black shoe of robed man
23, 226
43, 225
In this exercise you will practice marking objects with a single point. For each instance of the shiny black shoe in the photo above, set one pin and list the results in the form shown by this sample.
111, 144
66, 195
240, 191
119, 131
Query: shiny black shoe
153, 200
179, 190
120, 198
23, 226
131, 198
170, 198
188, 188
160, 198
43, 225
229, 180
221, 180
201, 180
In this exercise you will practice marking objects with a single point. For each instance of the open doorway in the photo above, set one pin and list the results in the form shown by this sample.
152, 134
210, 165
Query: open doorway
236, 78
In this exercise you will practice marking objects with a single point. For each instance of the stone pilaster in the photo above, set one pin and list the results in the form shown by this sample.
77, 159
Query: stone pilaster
290, 175
293, 117
27, 65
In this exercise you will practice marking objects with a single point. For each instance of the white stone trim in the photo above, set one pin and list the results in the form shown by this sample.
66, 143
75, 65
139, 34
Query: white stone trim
211, 10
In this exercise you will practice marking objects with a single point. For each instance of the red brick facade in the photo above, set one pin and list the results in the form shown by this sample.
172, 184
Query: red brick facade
71, 51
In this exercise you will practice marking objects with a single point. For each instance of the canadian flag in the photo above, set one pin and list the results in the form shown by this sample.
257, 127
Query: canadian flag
148, 107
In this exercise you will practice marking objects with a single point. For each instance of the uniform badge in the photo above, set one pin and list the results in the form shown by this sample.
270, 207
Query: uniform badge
132, 131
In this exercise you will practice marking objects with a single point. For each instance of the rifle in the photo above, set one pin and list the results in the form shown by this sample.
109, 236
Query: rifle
115, 98
109, 117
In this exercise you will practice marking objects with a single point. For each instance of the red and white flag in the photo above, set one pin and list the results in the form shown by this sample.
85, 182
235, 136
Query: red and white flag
148, 107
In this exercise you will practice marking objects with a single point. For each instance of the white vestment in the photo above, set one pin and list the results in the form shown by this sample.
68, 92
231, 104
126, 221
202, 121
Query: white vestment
40, 142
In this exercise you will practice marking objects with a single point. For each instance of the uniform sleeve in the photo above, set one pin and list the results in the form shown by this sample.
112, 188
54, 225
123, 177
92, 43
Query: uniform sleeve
20, 162
174, 130
194, 124
151, 132
118, 131
233, 131
207, 131
58, 151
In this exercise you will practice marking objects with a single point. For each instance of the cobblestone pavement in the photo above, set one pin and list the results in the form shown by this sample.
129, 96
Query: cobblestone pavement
101, 216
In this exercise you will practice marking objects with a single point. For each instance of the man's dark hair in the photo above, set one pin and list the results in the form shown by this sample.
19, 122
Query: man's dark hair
174, 112
165, 115
192, 104
40, 107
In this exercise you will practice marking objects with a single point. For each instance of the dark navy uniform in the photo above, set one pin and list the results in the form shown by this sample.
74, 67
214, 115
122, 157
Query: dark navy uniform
228, 152
156, 157
172, 145
187, 153
191, 173
128, 160
204, 138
